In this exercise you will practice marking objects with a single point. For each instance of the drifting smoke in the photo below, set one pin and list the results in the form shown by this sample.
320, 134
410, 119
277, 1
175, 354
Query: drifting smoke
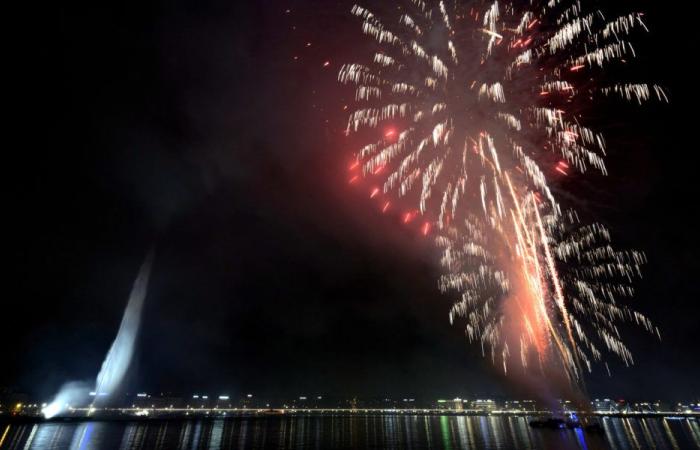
470, 111
119, 356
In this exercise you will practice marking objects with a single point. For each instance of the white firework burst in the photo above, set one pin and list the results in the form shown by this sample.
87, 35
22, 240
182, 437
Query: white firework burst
485, 98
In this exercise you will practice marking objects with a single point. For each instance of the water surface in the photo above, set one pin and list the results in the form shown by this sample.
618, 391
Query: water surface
350, 432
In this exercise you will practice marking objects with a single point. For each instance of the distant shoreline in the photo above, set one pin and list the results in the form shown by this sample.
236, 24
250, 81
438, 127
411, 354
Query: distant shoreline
227, 415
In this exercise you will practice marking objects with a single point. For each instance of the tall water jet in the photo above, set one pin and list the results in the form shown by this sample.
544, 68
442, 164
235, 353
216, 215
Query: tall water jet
119, 356
120, 353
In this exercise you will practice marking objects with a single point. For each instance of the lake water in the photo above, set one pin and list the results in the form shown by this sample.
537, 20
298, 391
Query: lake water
349, 432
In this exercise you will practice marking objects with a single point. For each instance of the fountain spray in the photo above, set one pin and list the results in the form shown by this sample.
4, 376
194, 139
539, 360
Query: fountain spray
119, 356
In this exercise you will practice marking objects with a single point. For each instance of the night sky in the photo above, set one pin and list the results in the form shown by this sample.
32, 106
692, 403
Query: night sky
192, 127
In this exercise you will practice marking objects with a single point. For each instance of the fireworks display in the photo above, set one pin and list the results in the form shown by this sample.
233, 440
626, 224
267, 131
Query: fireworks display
469, 111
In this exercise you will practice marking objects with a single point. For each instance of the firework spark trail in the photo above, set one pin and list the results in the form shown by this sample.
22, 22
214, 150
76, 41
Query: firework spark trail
468, 111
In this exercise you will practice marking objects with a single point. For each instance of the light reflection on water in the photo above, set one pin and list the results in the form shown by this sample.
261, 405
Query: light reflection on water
349, 432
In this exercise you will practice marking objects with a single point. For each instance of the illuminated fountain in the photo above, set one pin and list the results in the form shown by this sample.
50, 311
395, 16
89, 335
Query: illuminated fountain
119, 356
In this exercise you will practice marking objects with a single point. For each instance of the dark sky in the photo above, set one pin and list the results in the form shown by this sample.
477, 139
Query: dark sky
190, 125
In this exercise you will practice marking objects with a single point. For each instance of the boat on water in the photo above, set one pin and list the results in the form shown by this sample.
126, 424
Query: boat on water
570, 422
